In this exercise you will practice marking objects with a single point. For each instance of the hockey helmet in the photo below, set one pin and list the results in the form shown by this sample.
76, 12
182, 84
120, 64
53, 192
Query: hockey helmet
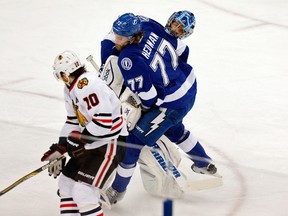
66, 62
127, 25
187, 21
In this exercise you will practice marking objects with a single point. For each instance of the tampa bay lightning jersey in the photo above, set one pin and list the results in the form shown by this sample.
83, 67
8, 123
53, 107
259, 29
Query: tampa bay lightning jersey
153, 70
147, 24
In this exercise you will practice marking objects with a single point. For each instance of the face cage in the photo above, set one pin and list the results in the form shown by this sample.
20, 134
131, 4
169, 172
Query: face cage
57, 75
187, 31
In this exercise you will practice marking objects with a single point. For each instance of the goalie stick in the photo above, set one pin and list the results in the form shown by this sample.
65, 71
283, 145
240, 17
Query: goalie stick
31, 174
203, 184
94, 64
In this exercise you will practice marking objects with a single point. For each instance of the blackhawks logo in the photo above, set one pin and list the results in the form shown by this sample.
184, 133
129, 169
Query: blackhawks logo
83, 82
81, 118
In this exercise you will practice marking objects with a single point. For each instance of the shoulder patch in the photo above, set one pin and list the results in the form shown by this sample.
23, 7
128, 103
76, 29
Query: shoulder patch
83, 82
126, 63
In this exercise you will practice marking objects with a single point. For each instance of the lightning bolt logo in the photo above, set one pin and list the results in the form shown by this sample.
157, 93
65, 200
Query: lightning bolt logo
155, 123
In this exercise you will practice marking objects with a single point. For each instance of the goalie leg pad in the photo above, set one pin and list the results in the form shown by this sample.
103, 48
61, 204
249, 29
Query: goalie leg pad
155, 178
174, 154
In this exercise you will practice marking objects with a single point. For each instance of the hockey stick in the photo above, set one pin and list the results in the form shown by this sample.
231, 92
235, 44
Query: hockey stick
31, 174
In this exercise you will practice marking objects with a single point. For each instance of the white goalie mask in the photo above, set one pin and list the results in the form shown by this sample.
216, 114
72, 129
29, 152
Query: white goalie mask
66, 62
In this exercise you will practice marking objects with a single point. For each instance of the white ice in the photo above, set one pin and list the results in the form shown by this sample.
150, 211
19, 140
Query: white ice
239, 51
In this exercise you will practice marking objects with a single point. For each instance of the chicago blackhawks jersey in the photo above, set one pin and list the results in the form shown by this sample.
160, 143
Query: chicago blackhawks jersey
91, 104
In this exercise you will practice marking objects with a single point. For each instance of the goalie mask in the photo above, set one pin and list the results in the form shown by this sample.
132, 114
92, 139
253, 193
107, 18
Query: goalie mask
67, 62
185, 20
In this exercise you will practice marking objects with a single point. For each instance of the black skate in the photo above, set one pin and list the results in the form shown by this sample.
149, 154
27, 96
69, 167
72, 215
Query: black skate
210, 169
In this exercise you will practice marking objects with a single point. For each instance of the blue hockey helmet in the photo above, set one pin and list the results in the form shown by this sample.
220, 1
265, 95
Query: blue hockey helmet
187, 21
127, 25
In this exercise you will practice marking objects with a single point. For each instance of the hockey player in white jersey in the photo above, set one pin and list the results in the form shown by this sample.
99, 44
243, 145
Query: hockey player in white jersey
161, 96
89, 135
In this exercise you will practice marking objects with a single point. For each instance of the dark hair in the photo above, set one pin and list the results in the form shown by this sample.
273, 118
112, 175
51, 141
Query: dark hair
79, 71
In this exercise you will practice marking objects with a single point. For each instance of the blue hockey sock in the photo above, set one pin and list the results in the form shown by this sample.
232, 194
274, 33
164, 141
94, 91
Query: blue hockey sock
198, 151
123, 176
120, 183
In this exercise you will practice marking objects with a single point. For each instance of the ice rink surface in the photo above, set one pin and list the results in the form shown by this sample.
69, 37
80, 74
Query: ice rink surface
239, 52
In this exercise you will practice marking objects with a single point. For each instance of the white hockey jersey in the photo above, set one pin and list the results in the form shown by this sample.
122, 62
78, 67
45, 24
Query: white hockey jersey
91, 104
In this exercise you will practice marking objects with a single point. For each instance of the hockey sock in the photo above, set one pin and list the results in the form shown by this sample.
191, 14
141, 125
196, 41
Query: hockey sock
199, 152
68, 207
95, 211
123, 176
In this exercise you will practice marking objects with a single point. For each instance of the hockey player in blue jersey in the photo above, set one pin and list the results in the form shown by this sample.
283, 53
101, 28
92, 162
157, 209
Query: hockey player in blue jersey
173, 31
167, 87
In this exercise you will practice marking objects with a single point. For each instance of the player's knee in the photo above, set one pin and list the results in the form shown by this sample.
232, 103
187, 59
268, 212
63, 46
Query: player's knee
84, 195
65, 185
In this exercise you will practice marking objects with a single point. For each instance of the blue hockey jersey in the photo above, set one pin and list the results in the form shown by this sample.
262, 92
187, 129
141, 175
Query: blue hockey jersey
148, 24
153, 70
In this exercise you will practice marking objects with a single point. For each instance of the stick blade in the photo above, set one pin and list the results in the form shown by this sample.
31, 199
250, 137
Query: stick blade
204, 184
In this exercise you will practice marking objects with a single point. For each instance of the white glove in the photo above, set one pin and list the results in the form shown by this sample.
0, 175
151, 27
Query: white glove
131, 114
54, 152
131, 109
57, 167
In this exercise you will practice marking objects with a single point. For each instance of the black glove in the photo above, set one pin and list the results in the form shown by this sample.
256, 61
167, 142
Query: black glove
75, 144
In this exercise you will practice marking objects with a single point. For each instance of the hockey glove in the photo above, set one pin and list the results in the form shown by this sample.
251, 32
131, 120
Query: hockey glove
75, 144
55, 151
131, 111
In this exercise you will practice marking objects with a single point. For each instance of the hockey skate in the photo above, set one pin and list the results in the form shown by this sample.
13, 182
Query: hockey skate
209, 170
114, 196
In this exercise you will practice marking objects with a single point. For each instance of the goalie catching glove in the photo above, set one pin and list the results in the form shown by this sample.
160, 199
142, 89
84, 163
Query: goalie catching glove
55, 151
131, 110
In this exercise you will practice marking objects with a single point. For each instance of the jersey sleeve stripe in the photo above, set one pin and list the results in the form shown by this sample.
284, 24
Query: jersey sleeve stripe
111, 135
152, 93
118, 124
103, 120
98, 123
72, 120
180, 92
